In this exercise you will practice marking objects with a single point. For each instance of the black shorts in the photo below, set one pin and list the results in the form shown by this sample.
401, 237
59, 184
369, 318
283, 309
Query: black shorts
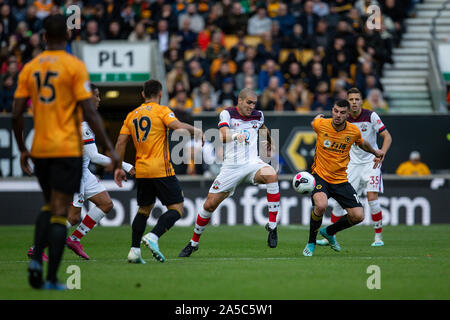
61, 174
343, 193
166, 189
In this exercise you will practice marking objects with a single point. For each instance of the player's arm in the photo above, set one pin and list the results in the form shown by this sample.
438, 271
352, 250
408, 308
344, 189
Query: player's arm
320, 115
92, 117
19, 107
121, 145
178, 125
387, 140
379, 154
226, 135
92, 152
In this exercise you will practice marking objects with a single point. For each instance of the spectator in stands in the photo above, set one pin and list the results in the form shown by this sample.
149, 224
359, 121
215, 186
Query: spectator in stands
237, 52
7, 89
360, 50
308, 19
267, 95
292, 75
204, 37
341, 62
340, 93
196, 74
177, 74
321, 8
171, 57
216, 17
303, 96
285, 20
322, 36
355, 20
375, 102
317, 57
224, 73
92, 34
413, 167
169, 15
248, 70
259, 22
181, 101
236, 21
251, 55
295, 7
280, 102
267, 48
317, 75
7, 19
322, 100
19, 10
342, 81
188, 38
250, 83
226, 96
215, 47
333, 17
204, 97
394, 10
269, 70
162, 35
139, 34
365, 70
199, 55
115, 31
129, 17
33, 47
197, 21
221, 68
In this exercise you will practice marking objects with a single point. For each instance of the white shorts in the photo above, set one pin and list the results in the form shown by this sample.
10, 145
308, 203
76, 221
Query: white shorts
364, 178
230, 176
90, 186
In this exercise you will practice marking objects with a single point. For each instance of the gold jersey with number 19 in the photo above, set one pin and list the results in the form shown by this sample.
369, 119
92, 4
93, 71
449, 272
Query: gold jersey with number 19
148, 127
55, 81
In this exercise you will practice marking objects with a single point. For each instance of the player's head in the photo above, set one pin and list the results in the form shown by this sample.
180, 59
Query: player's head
247, 101
96, 94
340, 111
55, 29
354, 97
152, 90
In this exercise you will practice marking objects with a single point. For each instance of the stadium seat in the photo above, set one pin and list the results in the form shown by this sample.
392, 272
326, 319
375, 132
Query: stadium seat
284, 53
252, 40
306, 55
188, 54
230, 41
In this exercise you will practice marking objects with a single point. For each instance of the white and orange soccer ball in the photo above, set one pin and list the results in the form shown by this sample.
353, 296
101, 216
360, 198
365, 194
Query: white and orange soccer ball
303, 182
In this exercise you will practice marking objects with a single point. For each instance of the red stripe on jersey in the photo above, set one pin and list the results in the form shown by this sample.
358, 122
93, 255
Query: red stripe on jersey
88, 140
223, 124
382, 129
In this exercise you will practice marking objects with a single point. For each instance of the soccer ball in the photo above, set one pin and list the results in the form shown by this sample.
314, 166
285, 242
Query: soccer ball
303, 182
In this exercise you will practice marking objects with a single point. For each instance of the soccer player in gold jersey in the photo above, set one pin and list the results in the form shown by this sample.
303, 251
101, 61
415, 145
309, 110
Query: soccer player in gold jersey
335, 136
57, 83
148, 126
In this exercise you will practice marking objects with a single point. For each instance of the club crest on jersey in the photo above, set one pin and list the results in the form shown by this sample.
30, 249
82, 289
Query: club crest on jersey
327, 143
347, 139
319, 186
363, 127
216, 185
254, 124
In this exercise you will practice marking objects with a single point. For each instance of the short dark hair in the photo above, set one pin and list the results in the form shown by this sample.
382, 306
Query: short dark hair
55, 28
152, 88
342, 103
93, 87
354, 90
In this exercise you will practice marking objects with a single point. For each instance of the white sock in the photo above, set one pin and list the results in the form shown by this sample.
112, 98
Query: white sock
153, 236
194, 243
96, 214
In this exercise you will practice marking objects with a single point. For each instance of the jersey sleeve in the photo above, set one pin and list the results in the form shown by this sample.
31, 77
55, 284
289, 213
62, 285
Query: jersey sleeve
87, 134
81, 84
168, 116
376, 122
125, 129
262, 118
316, 122
224, 119
23, 90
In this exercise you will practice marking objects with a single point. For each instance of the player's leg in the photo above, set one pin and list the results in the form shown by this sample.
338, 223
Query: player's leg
267, 175
336, 214
138, 228
213, 200
377, 218
346, 196
74, 215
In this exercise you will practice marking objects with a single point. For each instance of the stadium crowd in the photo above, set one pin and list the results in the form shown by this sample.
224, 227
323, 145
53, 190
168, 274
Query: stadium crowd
299, 55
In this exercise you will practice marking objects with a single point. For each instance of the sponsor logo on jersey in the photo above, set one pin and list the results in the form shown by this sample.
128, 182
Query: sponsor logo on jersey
327, 143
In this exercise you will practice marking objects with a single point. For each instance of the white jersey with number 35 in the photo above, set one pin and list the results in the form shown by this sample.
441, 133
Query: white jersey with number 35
370, 124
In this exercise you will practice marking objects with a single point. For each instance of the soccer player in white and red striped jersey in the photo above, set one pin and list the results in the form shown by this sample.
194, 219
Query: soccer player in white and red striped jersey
360, 172
239, 127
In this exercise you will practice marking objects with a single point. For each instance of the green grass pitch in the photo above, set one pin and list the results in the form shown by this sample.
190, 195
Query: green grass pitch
234, 262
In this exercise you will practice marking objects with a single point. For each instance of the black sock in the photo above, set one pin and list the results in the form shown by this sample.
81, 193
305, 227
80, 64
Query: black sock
138, 229
57, 241
165, 222
343, 223
41, 230
314, 226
